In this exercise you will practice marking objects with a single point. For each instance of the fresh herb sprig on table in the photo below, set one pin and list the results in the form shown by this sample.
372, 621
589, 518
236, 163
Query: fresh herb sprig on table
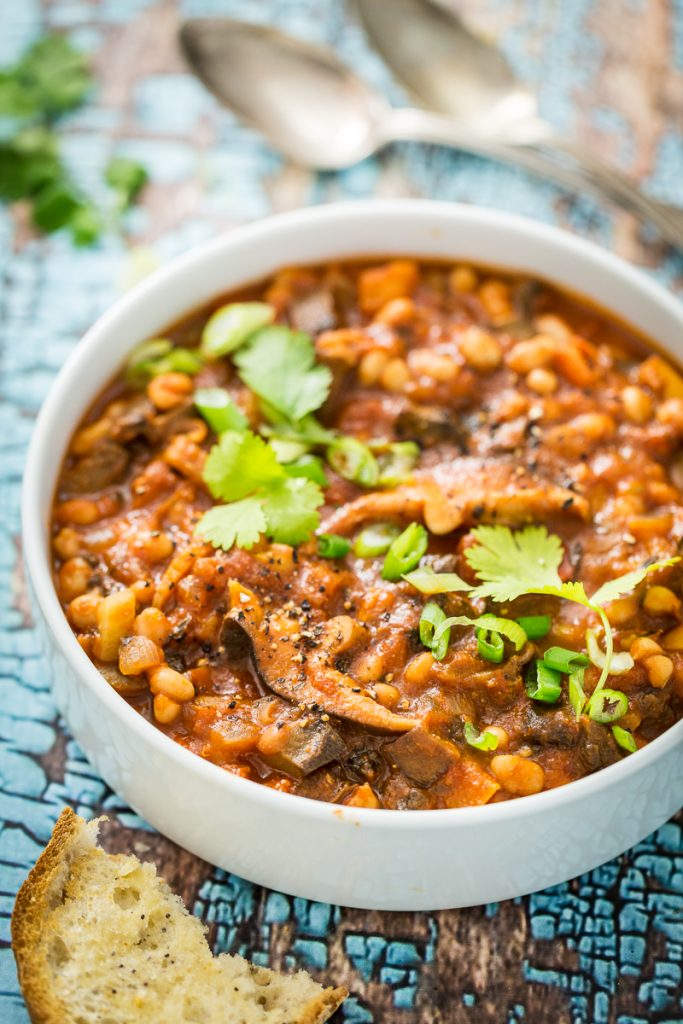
50, 80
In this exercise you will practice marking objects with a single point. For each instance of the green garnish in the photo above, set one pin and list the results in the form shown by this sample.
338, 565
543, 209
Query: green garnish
279, 366
484, 740
218, 409
427, 581
505, 627
306, 431
231, 325
158, 355
310, 467
527, 562
490, 646
375, 540
607, 705
239, 464
563, 660
535, 626
577, 696
397, 462
241, 523
287, 452
405, 552
50, 80
543, 683
331, 545
624, 739
431, 619
127, 178
354, 461
243, 466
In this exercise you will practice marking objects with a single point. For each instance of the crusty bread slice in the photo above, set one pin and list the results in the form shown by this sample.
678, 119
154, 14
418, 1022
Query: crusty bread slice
100, 939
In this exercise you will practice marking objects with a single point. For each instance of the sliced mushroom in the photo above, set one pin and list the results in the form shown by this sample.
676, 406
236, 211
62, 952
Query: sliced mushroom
464, 491
431, 425
421, 756
103, 466
295, 662
305, 746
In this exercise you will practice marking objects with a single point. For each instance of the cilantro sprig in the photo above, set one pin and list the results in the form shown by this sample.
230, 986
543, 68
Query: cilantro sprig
51, 80
510, 563
527, 562
279, 366
261, 496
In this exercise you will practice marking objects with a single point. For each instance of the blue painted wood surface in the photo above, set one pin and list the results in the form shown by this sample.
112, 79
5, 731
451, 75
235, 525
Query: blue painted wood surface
604, 948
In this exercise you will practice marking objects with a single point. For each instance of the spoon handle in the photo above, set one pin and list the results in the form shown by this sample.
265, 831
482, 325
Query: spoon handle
629, 194
588, 174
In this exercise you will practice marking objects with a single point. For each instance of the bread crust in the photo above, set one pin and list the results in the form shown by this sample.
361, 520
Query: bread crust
28, 917
33, 905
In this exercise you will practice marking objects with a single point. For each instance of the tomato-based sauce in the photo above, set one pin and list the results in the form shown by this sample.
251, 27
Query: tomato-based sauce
479, 398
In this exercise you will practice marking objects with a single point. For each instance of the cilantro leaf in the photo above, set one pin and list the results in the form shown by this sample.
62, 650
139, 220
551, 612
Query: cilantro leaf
240, 464
291, 510
127, 178
511, 564
241, 522
622, 585
278, 364
50, 79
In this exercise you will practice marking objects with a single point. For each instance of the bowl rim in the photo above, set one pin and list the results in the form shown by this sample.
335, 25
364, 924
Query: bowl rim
35, 534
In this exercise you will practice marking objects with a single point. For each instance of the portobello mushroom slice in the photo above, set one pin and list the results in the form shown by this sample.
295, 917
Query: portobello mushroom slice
304, 746
421, 756
104, 465
296, 662
463, 492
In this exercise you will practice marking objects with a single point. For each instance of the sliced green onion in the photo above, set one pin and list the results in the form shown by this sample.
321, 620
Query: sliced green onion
331, 545
480, 740
427, 581
311, 467
375, 540
543, 683
180, 360
354, 461
287, 451
607, 705
432, 617
218, 409
621, 662
230, 326
490, 646
535, 626
506, 627
405, 552
577, 697
563, 660
624, 739
145, 355
158, 355
397, 463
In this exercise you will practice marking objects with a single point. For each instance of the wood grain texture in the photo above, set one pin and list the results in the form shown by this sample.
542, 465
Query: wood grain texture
606, 948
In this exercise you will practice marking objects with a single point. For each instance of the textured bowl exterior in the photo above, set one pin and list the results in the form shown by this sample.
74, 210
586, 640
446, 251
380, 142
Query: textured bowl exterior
391, 860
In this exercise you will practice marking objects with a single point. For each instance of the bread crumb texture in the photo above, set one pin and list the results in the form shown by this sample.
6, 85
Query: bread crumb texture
100, 939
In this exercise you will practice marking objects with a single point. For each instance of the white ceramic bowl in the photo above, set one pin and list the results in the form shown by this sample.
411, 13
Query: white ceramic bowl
393, 860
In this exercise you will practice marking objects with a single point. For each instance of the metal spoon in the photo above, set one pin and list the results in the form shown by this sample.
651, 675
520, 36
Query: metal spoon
453, 71
316, 111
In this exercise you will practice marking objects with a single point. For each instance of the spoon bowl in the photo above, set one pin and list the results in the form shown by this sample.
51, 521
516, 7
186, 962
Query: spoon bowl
316, 111
300, 96
449, 69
